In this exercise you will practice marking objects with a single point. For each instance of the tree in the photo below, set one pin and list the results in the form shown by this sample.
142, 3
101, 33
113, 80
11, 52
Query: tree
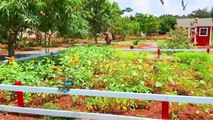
167, 23
75, 27
125, 27
15, 15
47, 16
55, 17
177, 39
200, 13
149, 24
100, 15
211, 12
71, 21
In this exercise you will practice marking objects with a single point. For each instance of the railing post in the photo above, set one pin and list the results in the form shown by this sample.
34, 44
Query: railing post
19, 94
159, 53
208, 50
165, 110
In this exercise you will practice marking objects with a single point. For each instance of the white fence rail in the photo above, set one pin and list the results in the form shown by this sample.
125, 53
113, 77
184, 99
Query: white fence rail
128, 95
163, 50
68, 114
32, 57
82, 92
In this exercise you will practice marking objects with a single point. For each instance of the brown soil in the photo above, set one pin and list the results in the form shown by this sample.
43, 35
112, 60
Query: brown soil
141, 45
153, 110
4, 51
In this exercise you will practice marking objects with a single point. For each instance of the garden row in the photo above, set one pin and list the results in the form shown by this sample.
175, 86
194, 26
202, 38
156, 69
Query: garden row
103, 68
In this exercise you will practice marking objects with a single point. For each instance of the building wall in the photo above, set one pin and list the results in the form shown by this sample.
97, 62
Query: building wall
203, 40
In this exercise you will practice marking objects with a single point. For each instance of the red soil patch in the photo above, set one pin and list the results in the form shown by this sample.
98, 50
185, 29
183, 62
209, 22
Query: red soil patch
141, 45
3, 52
153, 110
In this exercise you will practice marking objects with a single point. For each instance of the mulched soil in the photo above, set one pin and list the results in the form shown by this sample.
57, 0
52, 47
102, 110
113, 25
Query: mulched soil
66, 102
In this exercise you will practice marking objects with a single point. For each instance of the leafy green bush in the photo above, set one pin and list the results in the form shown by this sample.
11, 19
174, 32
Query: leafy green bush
177, 39
192, 58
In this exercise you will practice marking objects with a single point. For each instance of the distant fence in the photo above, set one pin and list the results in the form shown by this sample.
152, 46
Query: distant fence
165, 50
165, 99
30, 57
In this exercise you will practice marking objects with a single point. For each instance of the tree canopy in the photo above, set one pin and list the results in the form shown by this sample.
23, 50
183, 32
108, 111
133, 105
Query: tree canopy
79, 19
201, 13
15, 15
166, 24
100, 15
46, 16
149, 24
126, 27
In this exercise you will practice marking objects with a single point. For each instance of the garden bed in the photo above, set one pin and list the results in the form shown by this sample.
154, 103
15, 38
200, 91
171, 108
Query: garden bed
103, 68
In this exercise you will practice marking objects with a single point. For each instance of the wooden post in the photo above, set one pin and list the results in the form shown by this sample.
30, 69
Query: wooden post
165, 110
159, 53
19, 94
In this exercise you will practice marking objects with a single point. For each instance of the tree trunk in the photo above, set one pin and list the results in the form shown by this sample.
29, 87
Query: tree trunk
11, 50
96, 39
45, 42
49, 37
11, 43
113, 36
18, 40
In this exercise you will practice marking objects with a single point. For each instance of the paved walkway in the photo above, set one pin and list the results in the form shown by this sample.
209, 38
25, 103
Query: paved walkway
20, 54
162, 50
144, 47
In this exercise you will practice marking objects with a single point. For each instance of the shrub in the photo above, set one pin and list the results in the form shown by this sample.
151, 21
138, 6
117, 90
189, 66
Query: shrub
189, 57
177, 39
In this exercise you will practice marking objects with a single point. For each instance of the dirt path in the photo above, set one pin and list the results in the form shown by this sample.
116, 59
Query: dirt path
141, 45
35, 51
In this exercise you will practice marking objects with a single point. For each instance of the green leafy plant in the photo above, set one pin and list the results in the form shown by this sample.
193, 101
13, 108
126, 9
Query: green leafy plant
51, 106
177, 39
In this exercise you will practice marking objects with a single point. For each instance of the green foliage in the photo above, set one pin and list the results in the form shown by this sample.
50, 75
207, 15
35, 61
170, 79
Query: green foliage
126, 27
14, 16
177, 39
200, 13
100, 14
105, 105
212, 38
167, 23
192, 58
135, 43
108, 69
51, 106
76, 27
66, 18
149, 24
46, 16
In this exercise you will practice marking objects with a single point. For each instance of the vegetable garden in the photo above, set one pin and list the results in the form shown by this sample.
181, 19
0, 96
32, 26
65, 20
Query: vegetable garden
103, 68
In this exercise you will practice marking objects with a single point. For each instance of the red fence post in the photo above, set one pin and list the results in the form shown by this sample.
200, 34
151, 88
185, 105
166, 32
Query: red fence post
159, 53
208, 50
165, 110
19, 94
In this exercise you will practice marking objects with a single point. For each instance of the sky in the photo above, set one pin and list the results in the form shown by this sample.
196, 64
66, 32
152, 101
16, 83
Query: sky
156, 8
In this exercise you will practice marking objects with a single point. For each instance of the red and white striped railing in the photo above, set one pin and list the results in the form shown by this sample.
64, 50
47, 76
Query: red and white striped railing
165, 99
